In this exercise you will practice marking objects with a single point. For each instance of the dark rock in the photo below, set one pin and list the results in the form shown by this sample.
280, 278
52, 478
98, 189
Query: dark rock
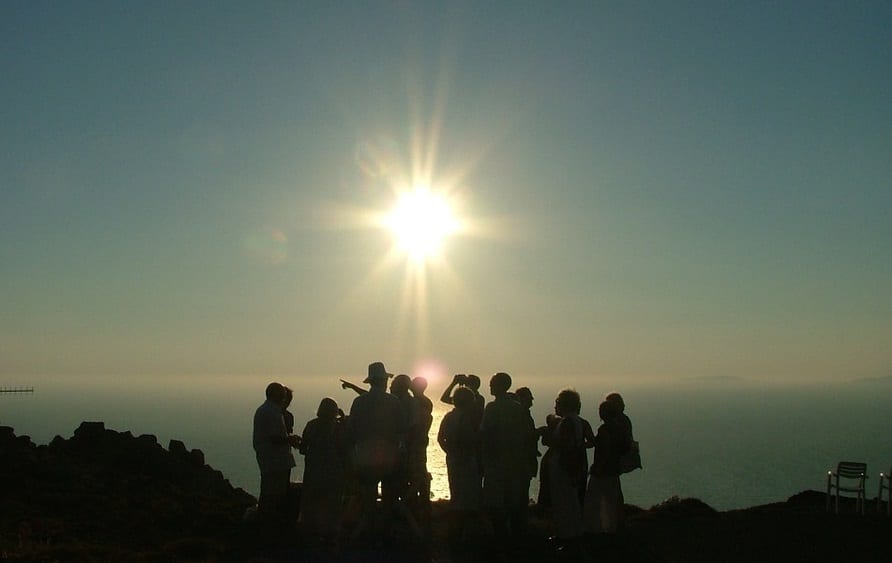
808, 499
147, 440
114, 495
177, 448
196, 456
89, 431
675, 507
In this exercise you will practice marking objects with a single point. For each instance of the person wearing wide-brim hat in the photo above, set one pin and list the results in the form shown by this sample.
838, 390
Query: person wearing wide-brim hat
376, 371
377, 431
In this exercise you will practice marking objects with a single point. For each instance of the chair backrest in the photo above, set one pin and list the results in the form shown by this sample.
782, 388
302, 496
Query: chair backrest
851, 469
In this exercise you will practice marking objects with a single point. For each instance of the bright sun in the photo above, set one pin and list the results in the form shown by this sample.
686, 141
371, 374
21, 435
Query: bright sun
420, 222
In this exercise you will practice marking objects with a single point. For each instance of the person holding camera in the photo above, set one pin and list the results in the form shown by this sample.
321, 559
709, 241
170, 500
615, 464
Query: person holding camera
471, 382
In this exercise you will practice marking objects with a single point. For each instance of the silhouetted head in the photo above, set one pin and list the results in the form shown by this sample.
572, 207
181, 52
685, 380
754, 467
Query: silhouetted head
525, 397
289, 396
400, 384
473, 382
419, 385
377, 375
608, 411
499, 384
617, 399
328, 409
567, 402
275, 392
463, 398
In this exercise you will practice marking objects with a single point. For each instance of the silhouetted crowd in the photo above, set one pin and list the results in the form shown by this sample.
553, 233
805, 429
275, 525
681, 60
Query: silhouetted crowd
370, 467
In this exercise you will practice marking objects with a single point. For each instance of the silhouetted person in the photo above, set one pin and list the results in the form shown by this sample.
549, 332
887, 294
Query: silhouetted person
524, 397
543, 501
377, 432
568, 467
504, 435
287, 414
419, 437
603, 495
479, 400
622, 421
399, 388
353, 387
459, 379
324, 471
272, 446
459, 439
627, 440
472, 382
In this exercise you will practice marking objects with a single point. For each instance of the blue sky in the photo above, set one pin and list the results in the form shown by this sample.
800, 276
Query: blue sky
663, 189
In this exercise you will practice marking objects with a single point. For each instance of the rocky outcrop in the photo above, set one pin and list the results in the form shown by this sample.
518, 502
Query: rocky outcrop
106, 494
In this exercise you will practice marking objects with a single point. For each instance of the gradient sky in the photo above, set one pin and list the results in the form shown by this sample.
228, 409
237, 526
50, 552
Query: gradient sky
656, 189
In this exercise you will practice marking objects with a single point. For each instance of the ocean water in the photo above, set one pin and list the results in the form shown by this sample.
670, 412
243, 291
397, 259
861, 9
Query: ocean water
731, 444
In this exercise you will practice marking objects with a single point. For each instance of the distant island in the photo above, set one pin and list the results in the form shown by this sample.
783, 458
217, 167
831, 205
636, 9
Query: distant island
104, 495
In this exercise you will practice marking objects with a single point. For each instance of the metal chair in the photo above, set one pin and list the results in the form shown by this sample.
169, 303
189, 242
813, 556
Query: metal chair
855, 474
885, 485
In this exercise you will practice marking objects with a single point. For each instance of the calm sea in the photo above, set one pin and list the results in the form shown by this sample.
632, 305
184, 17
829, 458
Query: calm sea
727, 443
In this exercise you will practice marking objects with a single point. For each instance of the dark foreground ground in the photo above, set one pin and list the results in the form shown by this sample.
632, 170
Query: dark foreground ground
109, 496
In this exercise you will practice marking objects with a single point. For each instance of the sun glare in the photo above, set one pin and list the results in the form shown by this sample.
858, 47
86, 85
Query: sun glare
420, 222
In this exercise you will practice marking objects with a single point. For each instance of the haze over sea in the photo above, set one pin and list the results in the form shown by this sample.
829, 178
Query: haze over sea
729, 442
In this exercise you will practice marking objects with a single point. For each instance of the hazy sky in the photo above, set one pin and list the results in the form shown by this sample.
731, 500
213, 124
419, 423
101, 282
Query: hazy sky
657, 189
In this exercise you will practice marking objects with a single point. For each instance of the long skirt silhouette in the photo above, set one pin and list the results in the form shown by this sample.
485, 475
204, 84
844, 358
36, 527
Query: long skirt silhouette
321, 499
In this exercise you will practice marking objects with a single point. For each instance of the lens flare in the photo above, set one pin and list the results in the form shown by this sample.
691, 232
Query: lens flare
376, 158
267, 246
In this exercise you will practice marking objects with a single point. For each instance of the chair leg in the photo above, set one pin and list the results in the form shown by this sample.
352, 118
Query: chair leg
827, 507
889, 498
